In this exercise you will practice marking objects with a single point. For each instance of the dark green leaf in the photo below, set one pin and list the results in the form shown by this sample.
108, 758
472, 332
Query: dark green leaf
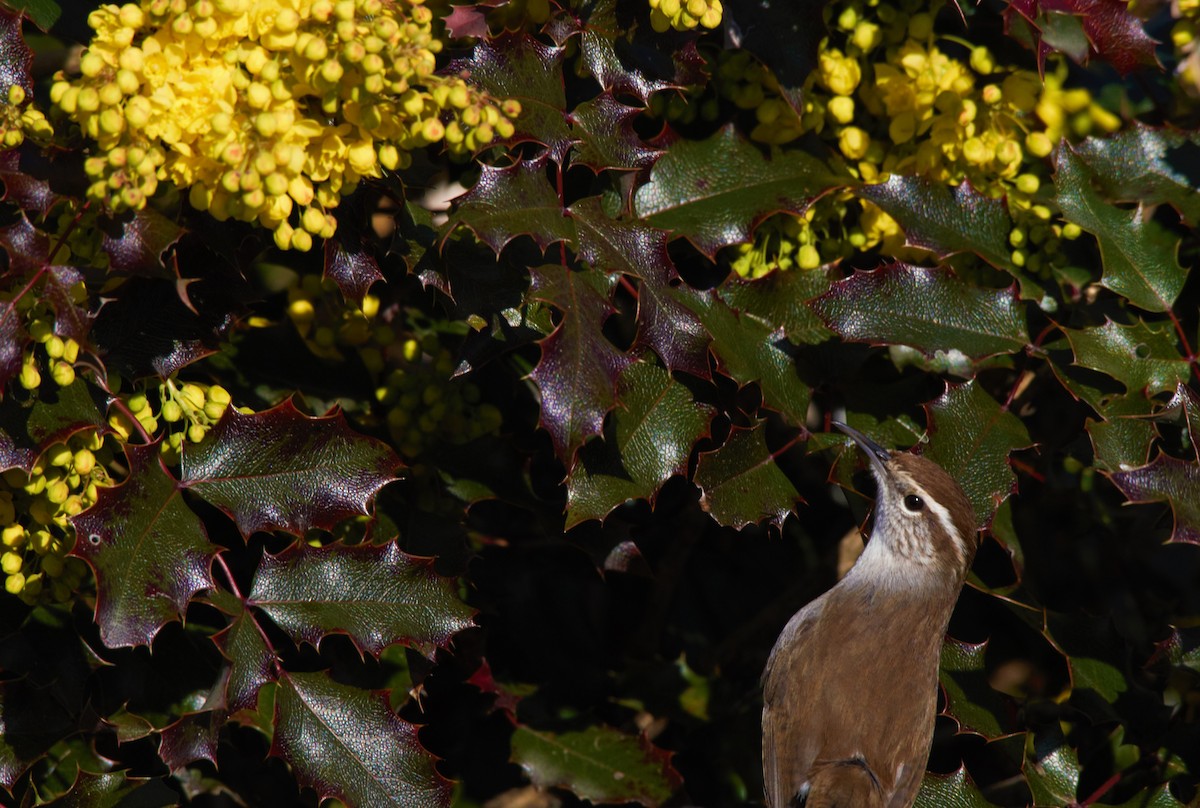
970, 700
1096, 656
282, 470
1154, 797
955, 790
1175, 482
56, 414
598, 764
1147, 165
929, 309
780, 298
713, 192
1138, 254
606, 137
740, 483
347, 743
654, 428
375, 595
1143, 356
1052, 771
33, 719
42, 13
1122, 440
149, 551
971, 438
115, 790
251, 660
510, 202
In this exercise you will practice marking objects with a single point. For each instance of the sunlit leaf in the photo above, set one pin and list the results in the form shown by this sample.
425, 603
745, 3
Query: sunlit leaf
510, 202
740, 482
1145, 164
1142, 355
1166, 479
955, 790
606, 137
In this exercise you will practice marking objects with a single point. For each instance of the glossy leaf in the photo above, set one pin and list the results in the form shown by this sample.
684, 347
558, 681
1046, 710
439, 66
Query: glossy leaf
970, 700
15, 56
577, 375
1169, 480
13, 339
599, 764
1123, 439
56, 414
510, 202
1138, 253
376, 595
114, 790
282, 470
606, 137
740, 483
145, 237
1147, 165
191, 738
251, 661
1112, 30
28, 248
1186, 402
1052, 771
653, 430
350, 266
929, 309
29, 193
955, 790
1142, 355
714, 192
70, 319
347, 743
781, 298
149, 551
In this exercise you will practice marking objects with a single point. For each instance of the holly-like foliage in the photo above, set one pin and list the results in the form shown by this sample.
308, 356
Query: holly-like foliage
502, 496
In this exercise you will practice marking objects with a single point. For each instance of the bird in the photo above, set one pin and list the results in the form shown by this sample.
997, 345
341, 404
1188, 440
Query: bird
850, 688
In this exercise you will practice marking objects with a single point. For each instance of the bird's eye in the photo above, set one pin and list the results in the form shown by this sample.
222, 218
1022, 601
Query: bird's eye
913, 503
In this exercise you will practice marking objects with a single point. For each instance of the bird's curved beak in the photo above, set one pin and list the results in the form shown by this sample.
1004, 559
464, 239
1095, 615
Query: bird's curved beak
876, 454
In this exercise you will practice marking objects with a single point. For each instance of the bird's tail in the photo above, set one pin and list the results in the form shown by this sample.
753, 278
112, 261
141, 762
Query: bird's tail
843, 784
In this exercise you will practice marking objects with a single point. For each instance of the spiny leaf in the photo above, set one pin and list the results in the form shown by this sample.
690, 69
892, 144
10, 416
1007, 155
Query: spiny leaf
350, 266
929, 309
971, 438
955, 790
376, 595
780, 299
28, 193
1169, 480
27, 247
149, 551
114, 790
653, 431
713, 192
56, 414
283, 470
1138, 253
607, 139
740, 483
1145, 164
513, 201
15, 56
347, 743
1097, 657
1143, 356
577, 374
515, 65
1123, 439
145, 237
13, 339
599, 764
251, 660
1186, 402
190, 738
70, 319
1052, 771
1113, 32
970, 700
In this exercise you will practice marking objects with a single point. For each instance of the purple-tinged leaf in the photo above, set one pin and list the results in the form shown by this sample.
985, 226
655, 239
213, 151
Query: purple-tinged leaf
1147, 165
192, 737
954, 790
928, 308
375, 595
27, 247
282, 470
780, 299
114, 790
144, 238
70, 319
741, 484
669, 327
1112, 31
654, 428
599, 764
149, 551
27, 192
715, 191
15, 56
1138, 254
515, 65
1186, 403
347, 743
1166, 479
577, 374
607, 139
56, 414
510, 202
1143, 356
13, 339
251, 660
970, 700
466, 21
352, 268
971, 438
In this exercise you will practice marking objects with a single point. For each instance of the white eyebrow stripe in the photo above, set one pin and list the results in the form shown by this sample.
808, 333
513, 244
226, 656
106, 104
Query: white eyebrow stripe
943, 516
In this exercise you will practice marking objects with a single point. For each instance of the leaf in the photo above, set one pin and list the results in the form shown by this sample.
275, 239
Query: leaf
32, 719
971, 438
347, 743
606, 137
740, 483
1186, 404
1138, 254
1052, 771
15, 56
1147, 165
970, 700
1114, 33
1142, 356
30, 194
114, 790
513, 201
715, 191
145, 236
1169, 480
929, 309
783, 36
599, 764
515, 65
351, 266
149, 551
56, 414
27, 247
780, 298
1097, 657
945, 220
1122, 440
13, 339
251, 660
282, 470
376, 595
466, 21
70, 319
577, 374
955, 790
654, 429
192, 737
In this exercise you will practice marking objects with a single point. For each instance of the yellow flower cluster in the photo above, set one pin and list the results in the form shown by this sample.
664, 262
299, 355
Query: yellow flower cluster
1185, 36
268, 110
189, 410
684, 15
19, 120
49, 352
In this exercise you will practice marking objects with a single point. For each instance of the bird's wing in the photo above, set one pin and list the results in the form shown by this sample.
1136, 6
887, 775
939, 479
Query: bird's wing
788, 749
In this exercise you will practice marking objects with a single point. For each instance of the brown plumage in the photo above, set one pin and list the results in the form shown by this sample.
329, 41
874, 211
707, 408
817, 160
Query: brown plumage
850, 690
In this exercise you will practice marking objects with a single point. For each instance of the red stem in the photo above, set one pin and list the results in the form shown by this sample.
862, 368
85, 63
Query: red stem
1104, 788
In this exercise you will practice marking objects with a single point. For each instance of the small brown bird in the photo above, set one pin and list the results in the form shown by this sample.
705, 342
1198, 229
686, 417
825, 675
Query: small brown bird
850, 690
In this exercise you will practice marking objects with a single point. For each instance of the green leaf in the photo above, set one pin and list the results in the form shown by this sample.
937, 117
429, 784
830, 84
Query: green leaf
149, 551
970, 700
653, 430
377, 595
1186, 402
1169, 480
599, 764
1138, 254
577, 375
282, 470
971, 438
740, 483
1123, 439
1155, 797
1052, 771
607, 139
55, 415
955, 790
713, 192
779, 299
42, 13
929, 309
114, 790
347, 743
1147, 165
1097, 657
510, 202
1143, 356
